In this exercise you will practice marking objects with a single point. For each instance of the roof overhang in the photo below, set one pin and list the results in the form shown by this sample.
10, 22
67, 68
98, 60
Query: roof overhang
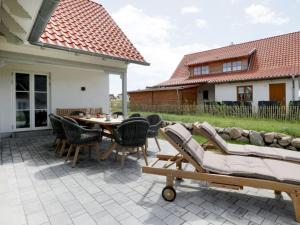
227, 56
78, 51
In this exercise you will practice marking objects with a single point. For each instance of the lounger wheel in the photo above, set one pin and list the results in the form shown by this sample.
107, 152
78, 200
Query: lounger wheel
169, 194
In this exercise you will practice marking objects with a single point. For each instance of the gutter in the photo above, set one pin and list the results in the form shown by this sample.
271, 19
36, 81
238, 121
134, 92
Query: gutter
44, 15
293, 88
78, 51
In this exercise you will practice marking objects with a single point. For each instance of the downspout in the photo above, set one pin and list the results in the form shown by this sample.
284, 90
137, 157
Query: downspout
293, 88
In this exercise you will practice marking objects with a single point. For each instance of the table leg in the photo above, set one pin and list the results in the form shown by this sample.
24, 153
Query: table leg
109, 151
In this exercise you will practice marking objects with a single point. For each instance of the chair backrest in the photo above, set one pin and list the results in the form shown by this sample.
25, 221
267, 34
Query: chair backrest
57, 126
72, 131
70, 119
154, 119
118, 114
134, 119
134, 115
132, 133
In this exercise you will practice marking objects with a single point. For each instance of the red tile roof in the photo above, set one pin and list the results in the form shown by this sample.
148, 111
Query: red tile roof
229, 53
275, 57
86, 26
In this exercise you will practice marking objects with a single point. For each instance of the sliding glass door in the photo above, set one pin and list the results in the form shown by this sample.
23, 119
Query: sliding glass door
31, 101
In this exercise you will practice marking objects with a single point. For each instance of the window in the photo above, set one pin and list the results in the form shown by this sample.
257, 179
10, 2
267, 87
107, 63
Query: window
244, 93
201, 70
205, 95
232, 66
237, 65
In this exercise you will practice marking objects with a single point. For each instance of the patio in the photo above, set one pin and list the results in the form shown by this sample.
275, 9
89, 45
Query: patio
38, 188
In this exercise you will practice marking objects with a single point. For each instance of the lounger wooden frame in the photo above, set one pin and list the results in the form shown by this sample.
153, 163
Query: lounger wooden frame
225, 181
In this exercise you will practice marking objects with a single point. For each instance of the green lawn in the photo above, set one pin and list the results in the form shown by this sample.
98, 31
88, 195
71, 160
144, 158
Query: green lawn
287, 127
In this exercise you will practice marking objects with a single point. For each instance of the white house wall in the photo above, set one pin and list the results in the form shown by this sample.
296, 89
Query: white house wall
228, 91
65, 90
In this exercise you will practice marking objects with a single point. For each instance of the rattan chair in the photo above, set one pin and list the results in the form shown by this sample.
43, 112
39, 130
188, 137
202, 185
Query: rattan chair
131, 135
58, 130
79, 138
155, 124
135, 115
117, 114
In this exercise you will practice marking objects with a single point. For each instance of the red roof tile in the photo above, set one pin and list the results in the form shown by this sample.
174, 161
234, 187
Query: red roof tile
87, 26
275, 57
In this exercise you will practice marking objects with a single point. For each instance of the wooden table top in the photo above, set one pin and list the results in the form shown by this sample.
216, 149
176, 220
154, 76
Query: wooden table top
100, 121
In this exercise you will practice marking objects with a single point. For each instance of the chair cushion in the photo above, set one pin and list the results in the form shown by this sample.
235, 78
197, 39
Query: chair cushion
183, 137
88, 138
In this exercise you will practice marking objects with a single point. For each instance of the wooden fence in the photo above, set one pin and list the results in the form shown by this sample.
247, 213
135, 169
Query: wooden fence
266, 112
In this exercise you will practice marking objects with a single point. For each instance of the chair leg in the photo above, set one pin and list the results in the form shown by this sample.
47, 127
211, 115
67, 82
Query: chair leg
59, 141
145, 154
138, 152
97, 146
76, 155
62, 149
109, 151
123, 157
55, 142
296, 202
69, 152
156, 140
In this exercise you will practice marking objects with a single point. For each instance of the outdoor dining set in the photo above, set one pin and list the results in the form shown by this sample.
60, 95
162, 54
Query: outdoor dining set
78, 131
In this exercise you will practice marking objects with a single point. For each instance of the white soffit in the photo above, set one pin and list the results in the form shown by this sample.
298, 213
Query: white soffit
17, 18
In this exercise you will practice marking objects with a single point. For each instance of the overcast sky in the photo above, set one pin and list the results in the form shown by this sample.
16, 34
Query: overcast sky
164, 30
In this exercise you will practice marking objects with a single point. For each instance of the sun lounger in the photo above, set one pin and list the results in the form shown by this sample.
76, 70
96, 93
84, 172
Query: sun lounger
226, 171
209, 132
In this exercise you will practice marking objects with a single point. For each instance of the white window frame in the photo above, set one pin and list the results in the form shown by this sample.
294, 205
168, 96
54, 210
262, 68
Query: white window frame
31, 101
200, 70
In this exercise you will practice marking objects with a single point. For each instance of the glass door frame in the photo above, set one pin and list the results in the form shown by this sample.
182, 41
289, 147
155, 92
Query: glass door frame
31, 101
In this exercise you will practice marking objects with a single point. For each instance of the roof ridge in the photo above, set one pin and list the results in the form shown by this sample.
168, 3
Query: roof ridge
242, 43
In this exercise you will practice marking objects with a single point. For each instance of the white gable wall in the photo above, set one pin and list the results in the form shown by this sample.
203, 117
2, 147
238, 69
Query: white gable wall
65, 89
228, 91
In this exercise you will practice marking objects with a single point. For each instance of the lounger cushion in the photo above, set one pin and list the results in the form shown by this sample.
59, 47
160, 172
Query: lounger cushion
247, 166
251, 150
266, 152
180, 135
209, 132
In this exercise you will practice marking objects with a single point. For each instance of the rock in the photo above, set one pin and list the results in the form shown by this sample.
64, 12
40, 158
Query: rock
275, 146
219, 129
235, 132
226, 131
256, 138
243, 139
269, 137
275, 141
291, 148
296, 142
285, 141
279, 135
246, 133
226, 137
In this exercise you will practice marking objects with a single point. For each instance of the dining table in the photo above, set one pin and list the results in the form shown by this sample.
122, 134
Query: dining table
108, 127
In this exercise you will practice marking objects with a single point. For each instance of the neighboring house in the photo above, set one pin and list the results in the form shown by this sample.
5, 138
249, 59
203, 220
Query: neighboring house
57, 54
262, 70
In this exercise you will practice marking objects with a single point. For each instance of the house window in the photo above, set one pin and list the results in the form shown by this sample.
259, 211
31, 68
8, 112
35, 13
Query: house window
227, 67
237, 65
205, 95
244, 93
201, 70
232, 66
